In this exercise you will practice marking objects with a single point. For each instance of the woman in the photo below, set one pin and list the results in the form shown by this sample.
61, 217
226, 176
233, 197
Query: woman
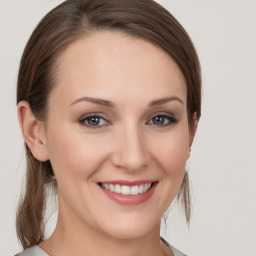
109, 97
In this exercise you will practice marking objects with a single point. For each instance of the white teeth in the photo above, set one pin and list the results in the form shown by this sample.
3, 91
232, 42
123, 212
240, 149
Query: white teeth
111, 187
127, 190
141, 189
118, 189
134, 190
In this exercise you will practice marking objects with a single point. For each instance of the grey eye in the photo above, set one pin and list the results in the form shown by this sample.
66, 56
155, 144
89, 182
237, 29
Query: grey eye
163, 120
93, 121
159, 120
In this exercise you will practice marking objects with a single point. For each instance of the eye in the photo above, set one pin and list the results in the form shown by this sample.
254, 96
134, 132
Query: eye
93, 121
163, 120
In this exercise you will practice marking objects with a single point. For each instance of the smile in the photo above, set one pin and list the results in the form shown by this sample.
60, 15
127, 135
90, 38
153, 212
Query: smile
129, 193
127, 190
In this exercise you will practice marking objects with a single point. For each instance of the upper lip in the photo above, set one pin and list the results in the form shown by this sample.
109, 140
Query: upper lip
128, 183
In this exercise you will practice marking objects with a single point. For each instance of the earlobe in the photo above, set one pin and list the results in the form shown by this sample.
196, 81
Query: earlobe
32, 131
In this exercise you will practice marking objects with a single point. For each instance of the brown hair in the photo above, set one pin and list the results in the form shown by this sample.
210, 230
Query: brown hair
71, 20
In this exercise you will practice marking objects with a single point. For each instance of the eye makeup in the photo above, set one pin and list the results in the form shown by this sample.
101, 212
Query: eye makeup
96, 121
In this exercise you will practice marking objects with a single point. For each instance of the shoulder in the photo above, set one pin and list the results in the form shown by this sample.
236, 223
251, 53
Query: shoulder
175, 251
33, 251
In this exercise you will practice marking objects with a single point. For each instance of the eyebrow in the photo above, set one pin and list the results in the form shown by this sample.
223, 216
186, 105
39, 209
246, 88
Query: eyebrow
165, 100
107, 103
97, 101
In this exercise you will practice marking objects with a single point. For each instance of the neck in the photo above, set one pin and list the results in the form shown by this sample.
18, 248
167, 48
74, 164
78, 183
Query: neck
78, 238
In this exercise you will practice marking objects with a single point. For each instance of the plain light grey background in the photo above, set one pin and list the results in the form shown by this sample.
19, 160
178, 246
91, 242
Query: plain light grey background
222, 165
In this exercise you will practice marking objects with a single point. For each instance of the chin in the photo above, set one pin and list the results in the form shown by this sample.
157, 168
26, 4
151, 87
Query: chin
130, 228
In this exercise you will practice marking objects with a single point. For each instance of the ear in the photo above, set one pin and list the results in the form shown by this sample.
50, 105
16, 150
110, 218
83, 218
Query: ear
33, 131
192, 129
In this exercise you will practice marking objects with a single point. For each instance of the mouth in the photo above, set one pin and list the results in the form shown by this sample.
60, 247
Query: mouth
128, 193
127, 190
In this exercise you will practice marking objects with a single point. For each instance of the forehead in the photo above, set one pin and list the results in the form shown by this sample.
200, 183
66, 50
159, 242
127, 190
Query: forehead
107, 64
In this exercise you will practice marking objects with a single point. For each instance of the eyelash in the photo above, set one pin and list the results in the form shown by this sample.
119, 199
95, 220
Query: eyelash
170, 118
83, 120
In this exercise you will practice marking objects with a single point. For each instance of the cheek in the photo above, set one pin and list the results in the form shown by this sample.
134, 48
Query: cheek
74, 154
172, 152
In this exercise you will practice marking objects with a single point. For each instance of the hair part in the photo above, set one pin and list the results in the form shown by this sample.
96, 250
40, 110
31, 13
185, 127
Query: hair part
66, 23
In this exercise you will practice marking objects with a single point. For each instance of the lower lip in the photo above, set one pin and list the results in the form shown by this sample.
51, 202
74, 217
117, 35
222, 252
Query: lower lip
130, 199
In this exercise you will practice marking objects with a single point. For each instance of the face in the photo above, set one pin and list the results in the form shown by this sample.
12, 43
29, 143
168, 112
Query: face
117, 134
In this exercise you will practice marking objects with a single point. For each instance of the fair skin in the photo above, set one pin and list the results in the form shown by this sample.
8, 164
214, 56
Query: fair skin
133, 140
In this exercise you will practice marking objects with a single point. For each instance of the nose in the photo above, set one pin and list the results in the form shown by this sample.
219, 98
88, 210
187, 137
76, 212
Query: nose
130, 150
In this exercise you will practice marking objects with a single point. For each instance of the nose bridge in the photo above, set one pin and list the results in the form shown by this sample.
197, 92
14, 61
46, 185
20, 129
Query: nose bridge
131, 149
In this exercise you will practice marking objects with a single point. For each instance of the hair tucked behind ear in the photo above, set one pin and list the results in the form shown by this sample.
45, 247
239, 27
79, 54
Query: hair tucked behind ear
30, 217
68, 22
184, 195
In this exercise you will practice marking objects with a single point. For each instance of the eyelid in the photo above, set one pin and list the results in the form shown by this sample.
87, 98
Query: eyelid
168, 116
82, 119
161, 113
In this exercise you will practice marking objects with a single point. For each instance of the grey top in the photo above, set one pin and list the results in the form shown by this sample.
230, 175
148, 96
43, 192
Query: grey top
33, 251
174, 250
37, 251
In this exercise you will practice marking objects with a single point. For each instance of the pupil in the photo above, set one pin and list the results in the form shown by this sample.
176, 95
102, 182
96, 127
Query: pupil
94, 121
158, 120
